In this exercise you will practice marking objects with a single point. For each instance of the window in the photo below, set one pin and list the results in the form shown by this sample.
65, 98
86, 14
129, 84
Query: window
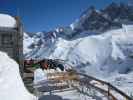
6, 39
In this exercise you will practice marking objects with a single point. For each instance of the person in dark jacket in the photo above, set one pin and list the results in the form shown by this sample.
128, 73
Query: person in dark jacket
61, 67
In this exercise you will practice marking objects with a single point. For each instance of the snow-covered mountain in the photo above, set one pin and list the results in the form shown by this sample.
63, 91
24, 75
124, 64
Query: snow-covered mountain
85, 50
65, 42
93, 21
102, 20
104, 56
99, 43
82, 47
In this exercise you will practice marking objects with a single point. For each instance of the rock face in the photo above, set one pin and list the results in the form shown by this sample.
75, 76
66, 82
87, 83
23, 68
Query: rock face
98, 21
110, 17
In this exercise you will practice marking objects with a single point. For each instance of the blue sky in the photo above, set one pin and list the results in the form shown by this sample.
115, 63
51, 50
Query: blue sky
45, 15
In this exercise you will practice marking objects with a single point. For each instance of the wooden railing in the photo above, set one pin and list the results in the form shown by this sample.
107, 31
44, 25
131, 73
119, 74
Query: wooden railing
110, 87
86, 80
110, 91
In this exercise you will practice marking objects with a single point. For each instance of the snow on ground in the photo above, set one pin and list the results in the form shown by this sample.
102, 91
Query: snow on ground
124, 39
7, 21
65, 94
73, 94
123, 81
11, 84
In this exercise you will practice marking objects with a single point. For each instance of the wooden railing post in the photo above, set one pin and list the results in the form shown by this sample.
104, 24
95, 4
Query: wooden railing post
108, 93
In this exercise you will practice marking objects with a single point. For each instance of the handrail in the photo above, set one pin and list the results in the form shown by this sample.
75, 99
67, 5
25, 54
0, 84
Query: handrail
91, 77
101, 90
87, 83
119, 91
110, 86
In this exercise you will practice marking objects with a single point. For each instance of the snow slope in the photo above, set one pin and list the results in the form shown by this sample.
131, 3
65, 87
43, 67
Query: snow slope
27, 42
11, 84
7, 21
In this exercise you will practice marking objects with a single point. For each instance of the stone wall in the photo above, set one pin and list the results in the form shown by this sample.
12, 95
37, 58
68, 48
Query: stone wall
11, 42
